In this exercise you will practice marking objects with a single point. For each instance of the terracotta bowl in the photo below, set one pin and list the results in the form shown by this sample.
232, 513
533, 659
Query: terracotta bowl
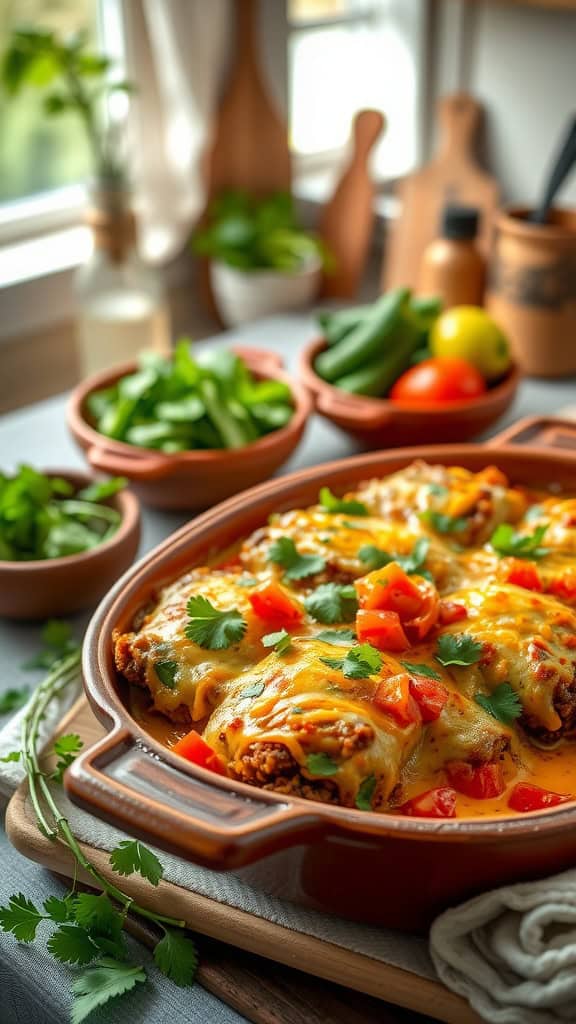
379, 423
387, 869
60, 586
194, 479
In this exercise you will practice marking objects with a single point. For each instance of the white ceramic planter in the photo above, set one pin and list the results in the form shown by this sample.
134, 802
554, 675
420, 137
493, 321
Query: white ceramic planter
242, 295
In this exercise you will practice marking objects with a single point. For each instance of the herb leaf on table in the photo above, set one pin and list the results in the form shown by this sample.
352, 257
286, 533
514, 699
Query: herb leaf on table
131, 856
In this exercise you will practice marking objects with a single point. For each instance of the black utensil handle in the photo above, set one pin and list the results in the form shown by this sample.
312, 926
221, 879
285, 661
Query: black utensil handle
562, 166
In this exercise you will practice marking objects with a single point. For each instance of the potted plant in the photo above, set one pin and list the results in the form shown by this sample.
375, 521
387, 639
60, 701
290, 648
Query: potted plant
262, 260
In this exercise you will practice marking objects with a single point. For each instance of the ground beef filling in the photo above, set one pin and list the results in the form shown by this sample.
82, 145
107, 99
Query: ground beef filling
271, 765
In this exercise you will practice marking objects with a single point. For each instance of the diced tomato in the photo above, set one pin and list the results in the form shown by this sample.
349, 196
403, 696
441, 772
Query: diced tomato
429, 695
525, 797
272, 603
452, 611
434, 803
394, 698
481, 781
389, 589
195, 749
427, 617
381, 629
564, 586
521, 573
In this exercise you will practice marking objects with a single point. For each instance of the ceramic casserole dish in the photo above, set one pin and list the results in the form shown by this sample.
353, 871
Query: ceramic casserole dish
387, 869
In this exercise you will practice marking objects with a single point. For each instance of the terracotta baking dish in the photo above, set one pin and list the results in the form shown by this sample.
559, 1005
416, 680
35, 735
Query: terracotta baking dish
60, 586
379, 423
397, 871
190, 480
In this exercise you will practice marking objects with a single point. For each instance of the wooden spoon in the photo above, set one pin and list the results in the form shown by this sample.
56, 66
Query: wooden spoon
347, 220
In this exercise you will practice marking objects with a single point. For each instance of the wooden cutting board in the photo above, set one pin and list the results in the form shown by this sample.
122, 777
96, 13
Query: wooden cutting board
453, 175
347, 219
249, 148
260, 990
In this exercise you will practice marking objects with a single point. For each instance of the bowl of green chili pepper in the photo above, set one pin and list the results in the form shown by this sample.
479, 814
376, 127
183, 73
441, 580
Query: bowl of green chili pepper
65, 538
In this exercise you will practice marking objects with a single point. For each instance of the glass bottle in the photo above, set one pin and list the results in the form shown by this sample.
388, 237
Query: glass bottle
122, 307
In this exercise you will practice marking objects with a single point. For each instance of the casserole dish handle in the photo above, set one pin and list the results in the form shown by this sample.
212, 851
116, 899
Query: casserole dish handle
539, 432
181, 808
137, 467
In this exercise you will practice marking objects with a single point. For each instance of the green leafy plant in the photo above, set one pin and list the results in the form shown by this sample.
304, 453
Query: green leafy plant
182, 403
506, 541
42, 517
280, 640
87, 928
332, 602
330, 503
361, 661
75, 80
257, 234
413, 563
503, 704
211, 627
458, 649
284, 552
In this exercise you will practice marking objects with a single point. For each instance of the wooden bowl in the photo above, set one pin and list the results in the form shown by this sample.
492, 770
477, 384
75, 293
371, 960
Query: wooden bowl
190, 480
59, 586
384, 868
380, 423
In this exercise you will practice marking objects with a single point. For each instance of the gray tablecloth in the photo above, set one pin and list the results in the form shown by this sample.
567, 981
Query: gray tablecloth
32, 986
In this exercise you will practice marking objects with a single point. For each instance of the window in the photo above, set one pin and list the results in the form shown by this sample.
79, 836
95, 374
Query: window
44, 162
348, 54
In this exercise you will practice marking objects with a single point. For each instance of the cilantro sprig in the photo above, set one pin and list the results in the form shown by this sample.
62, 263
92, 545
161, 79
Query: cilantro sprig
337, 637
506, 541
503, 704
365, 793
284, 552
280, 640
330, 503
376, 558
321, 764
332, 602
86, 929
421, 670
458, 649
443, 523
360, 661
212, 627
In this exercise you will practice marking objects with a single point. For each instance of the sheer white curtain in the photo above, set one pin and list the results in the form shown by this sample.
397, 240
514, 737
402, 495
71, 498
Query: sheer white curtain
176, 53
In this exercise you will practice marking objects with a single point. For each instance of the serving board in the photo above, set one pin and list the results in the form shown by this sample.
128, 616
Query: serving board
262, 992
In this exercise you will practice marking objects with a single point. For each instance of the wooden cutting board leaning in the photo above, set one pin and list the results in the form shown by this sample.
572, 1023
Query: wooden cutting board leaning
452, 176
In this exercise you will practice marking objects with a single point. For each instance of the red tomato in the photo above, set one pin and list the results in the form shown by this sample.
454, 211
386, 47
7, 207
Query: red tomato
452, 611
434, 803
413, 599
481, 781
429, 695
195, 749
272, 603
436, 381
525, 797
564, 586
381, 629
390, 589
394, 698
523, 574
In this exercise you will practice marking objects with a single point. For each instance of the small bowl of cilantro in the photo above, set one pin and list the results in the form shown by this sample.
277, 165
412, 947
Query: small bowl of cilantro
65, 538
188, 431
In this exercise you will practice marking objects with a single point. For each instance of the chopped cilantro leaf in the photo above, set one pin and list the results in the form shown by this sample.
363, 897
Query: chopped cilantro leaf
420, 670
502, 704
377, 558
66, 748
13, 699
176, 956
21, 918
458, 649
332, 602
337, 637
166, 672
280, 641
506, 541
254, 690
285, 553
336, 505
361, 661
443, 523
212, 628
365, 793
374, 557
131, 856
321, 764
103, 980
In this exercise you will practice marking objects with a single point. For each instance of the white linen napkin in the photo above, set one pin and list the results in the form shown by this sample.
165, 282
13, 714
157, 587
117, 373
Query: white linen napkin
512, 952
